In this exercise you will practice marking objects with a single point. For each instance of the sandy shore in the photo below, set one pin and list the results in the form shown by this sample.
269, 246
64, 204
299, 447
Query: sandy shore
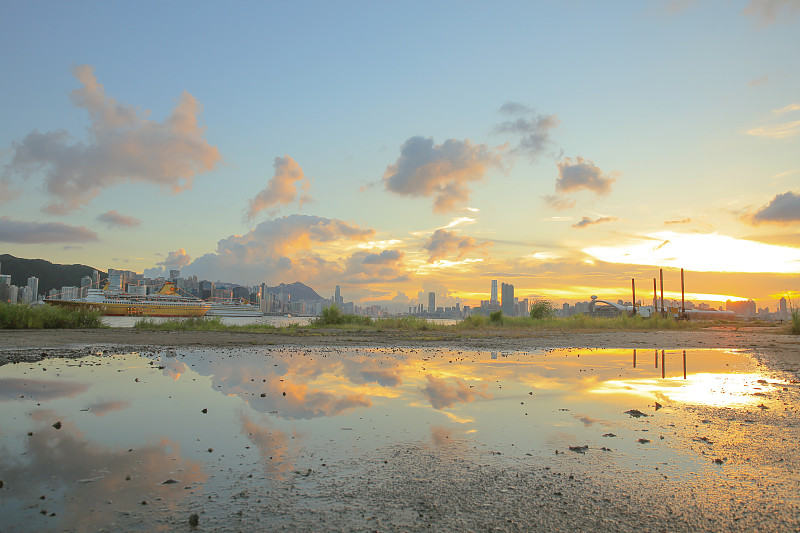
777, 349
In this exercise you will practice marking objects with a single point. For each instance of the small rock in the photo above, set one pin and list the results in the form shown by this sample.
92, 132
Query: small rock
204, 411
643, 441
658, 406
718, 461
194, 519
579, 449
57, 425
210, 450
170, 481
263, 394
635, 413
609, 435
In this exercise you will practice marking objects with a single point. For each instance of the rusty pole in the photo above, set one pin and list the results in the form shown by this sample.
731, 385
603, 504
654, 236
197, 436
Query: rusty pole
661, 276
683, 304
633, 288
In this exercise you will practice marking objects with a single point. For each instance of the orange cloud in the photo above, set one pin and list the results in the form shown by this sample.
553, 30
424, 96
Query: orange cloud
443, 395
122, 147
281, 189
113, 219
445, 243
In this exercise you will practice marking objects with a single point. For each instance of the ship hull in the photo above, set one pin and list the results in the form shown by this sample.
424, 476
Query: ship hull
134, 308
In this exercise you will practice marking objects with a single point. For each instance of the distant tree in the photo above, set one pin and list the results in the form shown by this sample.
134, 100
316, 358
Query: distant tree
496, 317
542, 309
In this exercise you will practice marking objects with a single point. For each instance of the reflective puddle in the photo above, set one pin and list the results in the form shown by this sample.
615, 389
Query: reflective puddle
142, 441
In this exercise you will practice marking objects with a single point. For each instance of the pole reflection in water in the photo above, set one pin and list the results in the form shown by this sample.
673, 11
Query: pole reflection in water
684, 364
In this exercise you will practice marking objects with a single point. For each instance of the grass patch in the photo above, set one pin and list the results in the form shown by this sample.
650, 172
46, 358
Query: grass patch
410, 323
794, 327
331, 316
212, 323
23, 316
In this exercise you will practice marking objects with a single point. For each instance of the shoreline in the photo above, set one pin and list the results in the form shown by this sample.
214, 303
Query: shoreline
780, 351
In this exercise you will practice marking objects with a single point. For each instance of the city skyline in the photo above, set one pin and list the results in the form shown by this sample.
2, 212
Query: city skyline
562, 149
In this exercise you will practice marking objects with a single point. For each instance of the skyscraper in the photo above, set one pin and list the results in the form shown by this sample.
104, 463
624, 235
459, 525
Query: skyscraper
86, 282
337, 298
507, 302
431, 303
494, 291
33, 284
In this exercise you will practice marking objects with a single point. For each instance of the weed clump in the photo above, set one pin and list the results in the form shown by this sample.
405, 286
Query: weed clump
23, 316
331, 316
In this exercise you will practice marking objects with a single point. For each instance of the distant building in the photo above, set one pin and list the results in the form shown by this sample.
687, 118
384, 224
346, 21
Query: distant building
507, 299
86, 282
338, 299
783, 311
494, 292
744, 308
205, 289
431, 303
33, 285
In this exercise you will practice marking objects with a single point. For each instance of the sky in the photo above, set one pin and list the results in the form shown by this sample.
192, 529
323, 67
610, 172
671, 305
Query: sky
400, 148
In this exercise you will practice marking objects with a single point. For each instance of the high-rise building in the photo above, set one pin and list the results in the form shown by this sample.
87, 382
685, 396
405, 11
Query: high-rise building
33, 285
86, 282
507, 299
174, 274
337, 297
431, 303
96, 279
782, 309
494, 292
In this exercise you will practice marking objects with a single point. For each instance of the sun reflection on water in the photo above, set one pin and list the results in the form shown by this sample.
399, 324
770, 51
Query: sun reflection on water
717, 390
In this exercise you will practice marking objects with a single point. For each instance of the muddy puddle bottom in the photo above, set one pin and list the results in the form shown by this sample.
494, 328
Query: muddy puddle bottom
399, 439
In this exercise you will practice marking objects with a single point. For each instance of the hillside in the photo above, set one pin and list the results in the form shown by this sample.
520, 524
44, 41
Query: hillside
51, 275
297, 290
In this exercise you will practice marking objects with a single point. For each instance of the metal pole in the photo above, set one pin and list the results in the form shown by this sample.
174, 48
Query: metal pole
634, 358
661, 276
633, 288
683, 304
663, 365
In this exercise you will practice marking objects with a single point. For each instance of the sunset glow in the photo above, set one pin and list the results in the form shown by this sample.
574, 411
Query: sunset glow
469, 153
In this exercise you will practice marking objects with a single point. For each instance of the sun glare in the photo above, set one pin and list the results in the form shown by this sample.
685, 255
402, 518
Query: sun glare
702, 253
